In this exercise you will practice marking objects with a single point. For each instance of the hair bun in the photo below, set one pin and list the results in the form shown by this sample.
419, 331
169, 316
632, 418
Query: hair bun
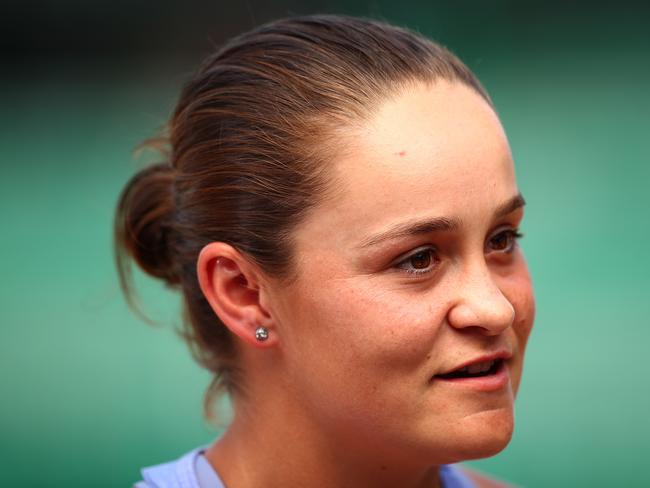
144, 225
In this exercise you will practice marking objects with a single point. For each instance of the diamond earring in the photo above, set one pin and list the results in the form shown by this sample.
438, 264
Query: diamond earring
261, 334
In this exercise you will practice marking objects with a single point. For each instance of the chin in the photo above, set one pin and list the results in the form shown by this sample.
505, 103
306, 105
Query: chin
484, 434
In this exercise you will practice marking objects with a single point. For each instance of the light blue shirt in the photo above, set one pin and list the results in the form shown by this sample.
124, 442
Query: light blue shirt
193, 471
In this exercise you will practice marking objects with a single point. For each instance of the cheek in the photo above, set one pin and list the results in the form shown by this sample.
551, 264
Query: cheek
523, 301
382, 323
516, 285
362, 353
519, 292
359, 324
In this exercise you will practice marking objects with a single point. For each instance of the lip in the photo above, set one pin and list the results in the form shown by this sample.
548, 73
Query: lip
497, 381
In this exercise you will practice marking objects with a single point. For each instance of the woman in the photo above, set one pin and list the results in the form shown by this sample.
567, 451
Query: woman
341, 214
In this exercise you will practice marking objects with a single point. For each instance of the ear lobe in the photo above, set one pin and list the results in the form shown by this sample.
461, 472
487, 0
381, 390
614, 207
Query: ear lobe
230, 283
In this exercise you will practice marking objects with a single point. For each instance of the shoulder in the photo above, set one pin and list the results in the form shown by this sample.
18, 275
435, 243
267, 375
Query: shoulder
483, 481
178, 473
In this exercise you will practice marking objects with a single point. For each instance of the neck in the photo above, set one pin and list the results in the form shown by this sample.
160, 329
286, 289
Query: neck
277, 445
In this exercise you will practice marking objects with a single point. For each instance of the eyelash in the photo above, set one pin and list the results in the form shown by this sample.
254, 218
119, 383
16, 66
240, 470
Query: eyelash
513, 234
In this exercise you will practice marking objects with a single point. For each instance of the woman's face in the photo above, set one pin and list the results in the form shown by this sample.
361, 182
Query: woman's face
411, 272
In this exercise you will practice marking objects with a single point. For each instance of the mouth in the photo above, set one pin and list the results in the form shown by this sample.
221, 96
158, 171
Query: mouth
475, 370
483, 374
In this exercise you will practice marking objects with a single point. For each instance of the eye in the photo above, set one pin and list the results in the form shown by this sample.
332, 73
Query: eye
420, 261
504, 241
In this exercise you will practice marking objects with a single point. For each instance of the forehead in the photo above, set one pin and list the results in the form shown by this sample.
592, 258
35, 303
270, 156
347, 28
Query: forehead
430, 150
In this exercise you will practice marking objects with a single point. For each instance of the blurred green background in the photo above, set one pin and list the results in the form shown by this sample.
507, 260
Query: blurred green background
90, 393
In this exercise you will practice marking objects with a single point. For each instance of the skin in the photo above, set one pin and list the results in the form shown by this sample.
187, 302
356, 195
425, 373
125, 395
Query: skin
343, 390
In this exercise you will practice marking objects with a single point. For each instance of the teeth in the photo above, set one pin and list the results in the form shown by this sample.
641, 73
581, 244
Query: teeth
477, 367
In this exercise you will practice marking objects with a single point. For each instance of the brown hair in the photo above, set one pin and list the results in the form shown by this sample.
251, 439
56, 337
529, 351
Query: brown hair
247, 152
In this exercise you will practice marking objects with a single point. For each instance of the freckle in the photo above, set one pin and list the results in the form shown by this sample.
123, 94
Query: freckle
428, 356
384, 468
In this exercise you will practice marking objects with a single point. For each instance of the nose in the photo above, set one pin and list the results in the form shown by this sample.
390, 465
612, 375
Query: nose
480, 303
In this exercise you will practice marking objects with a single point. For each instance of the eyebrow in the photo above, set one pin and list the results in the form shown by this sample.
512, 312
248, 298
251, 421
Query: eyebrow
436, 224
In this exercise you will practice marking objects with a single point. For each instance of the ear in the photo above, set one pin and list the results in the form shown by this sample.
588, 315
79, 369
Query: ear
230, 282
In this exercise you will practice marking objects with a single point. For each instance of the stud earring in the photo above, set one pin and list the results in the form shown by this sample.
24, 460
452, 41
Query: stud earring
261, 334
